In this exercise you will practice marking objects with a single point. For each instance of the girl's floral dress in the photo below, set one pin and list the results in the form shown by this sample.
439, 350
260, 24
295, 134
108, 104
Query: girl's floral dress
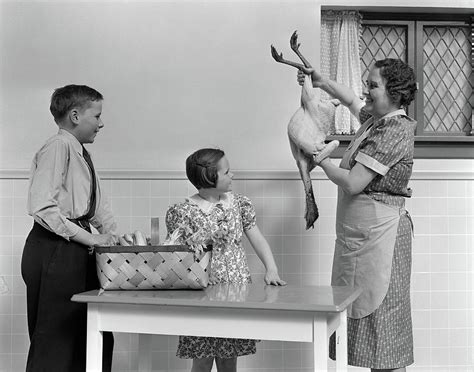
221, 225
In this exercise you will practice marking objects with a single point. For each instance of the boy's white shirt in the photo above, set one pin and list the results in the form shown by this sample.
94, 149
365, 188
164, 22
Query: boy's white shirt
57, 168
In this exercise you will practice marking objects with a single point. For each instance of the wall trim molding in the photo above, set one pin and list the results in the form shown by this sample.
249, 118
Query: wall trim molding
137, 174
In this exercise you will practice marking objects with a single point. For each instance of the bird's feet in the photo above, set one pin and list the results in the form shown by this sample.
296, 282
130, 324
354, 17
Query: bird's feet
311, 214
295, 46
277, 56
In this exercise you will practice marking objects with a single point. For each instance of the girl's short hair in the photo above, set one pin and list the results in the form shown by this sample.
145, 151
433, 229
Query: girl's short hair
72, 96
400, 80
201, 167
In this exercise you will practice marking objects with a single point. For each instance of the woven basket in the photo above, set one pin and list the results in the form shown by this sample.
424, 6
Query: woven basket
152, 267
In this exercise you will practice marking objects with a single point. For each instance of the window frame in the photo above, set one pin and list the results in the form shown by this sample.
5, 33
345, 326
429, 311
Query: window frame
437, 146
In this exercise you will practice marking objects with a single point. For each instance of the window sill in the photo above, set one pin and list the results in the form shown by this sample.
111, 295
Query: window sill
429, 147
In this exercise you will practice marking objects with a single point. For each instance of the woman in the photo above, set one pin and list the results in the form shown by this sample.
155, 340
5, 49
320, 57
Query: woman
373, 243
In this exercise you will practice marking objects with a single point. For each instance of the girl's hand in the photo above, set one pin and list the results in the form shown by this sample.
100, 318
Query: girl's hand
272, 277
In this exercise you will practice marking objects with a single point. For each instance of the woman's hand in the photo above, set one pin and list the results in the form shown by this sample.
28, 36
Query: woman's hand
272, 277
321, 163
300, 76
316, 77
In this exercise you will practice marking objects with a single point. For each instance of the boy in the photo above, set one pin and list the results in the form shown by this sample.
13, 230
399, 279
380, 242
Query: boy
64, 199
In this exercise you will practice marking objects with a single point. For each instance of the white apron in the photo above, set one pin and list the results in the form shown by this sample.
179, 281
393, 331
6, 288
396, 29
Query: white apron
366, 231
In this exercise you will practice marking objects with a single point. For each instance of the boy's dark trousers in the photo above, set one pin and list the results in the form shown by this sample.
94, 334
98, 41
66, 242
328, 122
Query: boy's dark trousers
55, 269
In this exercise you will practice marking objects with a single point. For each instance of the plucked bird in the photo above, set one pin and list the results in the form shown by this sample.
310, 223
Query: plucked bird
307, 130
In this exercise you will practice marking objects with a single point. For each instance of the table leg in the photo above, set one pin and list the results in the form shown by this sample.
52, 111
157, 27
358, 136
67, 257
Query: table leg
144, 352
341, 343
320, 343
94, 340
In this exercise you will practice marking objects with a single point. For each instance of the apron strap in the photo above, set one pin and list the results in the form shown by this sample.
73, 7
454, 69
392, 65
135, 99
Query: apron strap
411, 223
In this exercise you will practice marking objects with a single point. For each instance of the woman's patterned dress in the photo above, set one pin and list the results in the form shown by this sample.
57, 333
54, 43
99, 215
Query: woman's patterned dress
224, 223
384, 339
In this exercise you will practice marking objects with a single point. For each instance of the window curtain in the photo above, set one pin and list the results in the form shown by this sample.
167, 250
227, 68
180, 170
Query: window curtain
340, 61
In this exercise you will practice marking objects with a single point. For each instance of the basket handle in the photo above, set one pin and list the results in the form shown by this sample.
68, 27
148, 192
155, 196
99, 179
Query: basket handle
155, 231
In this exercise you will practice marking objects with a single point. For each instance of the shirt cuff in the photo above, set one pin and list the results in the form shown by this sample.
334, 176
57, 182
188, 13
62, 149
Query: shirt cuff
71, 230
65, 230
371, 163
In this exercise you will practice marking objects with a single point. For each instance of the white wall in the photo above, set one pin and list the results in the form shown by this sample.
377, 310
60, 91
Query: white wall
442, 271
175, 75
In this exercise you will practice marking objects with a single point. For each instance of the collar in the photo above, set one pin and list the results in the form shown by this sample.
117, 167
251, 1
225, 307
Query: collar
386, 116
74, 142
206, 206
367, 125
394, 113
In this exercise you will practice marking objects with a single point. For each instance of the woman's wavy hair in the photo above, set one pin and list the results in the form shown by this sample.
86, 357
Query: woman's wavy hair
201, 167
400, 80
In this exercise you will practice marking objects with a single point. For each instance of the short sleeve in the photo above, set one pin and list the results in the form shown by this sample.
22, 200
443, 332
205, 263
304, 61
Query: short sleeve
175, 216
247, 211
386, 145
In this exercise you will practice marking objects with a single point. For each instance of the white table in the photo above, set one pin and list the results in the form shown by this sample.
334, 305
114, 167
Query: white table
256, 311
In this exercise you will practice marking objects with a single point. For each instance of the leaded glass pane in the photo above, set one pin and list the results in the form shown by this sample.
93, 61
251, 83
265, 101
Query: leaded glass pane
447, 89
379, 41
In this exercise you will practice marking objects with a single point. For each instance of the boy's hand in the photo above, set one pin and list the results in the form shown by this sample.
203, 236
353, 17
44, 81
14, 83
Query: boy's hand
272, 277
105, 239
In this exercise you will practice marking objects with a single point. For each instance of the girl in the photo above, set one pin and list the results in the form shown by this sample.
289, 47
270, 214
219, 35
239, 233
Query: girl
222, 217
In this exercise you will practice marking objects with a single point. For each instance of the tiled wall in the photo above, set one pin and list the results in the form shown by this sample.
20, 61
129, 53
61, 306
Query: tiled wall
442, 278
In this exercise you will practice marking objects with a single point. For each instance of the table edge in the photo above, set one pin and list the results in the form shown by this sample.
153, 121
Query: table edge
94, 298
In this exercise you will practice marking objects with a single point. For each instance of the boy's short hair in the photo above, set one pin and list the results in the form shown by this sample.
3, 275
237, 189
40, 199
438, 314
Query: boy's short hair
201, 167
71, 96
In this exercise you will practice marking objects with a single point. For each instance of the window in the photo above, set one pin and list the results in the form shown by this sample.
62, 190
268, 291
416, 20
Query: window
440, 49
